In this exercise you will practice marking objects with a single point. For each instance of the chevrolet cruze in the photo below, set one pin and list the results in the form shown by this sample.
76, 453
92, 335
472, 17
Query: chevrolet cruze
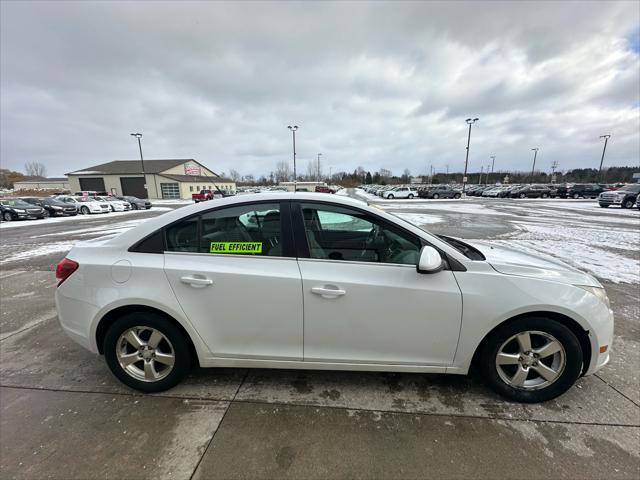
284, 280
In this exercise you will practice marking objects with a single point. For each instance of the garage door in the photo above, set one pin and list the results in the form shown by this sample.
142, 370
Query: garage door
92, 184
170, 190
133, 186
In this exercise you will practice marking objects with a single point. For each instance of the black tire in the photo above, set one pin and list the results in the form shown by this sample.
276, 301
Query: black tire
435, 196
182, 353
627, 204
457, 195
7, 217
576, 196
410, 196
45, 213
84, 210
522, 195
490, 347
390, 196
545, 195
134, 206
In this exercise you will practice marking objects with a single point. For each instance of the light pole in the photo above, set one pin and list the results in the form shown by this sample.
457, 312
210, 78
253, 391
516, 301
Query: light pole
481, 171
295, 176
318, 174
470, 121
535, 154
604, 149
493, 161
144, 175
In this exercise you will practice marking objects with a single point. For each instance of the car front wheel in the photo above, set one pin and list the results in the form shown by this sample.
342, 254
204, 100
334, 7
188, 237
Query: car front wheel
435, 196
84, 210
147, 352
390, 196
410, 196
457, 195
576, 196
627, 204
7, 217
531, 360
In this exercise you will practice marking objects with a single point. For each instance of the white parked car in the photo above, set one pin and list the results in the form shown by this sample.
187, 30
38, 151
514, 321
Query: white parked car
114, 204
84, 204
219, 284
401, 192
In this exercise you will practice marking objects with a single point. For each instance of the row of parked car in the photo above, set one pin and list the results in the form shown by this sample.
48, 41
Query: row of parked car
19, 208
623, 195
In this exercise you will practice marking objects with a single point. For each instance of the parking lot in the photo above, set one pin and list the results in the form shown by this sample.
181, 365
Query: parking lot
63, 415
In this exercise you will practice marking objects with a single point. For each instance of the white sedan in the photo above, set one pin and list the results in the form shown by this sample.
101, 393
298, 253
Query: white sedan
84, 204
114, 204
219, 284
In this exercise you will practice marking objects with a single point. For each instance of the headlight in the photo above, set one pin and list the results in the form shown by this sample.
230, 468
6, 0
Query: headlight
598, 292
19, 210
56, 208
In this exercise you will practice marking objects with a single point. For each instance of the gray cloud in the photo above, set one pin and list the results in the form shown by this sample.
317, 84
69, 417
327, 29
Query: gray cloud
373, 84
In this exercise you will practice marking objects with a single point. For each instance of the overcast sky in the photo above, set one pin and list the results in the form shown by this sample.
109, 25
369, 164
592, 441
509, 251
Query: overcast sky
381, 85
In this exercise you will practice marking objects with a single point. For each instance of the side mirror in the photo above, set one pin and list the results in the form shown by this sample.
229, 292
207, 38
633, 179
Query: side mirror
430, 261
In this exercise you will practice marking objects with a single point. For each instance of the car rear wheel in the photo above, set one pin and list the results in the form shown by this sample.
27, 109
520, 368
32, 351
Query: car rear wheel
522, 195
84, 210
531, 360
435, 196
545, 195
390, 196
627, 204
576, 196
457, 195
147, 352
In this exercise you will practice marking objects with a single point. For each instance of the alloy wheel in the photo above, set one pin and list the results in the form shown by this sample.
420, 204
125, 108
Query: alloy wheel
7, 216
145, 354
530, 360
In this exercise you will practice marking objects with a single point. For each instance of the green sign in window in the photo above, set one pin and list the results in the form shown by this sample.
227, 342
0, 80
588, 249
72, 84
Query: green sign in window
235, 247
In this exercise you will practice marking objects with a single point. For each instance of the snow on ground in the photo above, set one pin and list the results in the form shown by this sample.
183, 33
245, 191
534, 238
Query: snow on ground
39, 250
609, 253
418, 219
448, 207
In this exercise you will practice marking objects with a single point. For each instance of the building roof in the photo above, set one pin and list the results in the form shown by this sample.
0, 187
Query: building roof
197, 178
124, 167
44, 180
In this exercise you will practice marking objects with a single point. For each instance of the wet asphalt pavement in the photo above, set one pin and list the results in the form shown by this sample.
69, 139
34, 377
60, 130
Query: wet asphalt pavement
63, 415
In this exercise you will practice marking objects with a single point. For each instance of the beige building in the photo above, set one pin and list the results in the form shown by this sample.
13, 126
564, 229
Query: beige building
58, 184
171, 179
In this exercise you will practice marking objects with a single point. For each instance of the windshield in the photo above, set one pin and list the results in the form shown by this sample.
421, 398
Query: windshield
15, 203
467, 250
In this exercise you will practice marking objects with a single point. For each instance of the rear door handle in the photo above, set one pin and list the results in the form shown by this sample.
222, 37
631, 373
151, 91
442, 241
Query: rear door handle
328, 291
196, 282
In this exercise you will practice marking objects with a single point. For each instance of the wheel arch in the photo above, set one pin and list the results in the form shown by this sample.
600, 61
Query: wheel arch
581, 334
111, 316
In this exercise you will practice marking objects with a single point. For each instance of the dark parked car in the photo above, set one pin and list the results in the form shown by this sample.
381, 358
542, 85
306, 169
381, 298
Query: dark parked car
52, 207
15, 209
625, 197
532, 191
136, 203
438, 191
579, 190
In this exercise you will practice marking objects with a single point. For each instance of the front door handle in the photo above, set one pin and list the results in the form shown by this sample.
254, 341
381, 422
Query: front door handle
196, 281
328, 291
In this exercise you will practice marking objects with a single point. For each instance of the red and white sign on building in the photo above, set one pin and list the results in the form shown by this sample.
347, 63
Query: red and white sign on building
191, 168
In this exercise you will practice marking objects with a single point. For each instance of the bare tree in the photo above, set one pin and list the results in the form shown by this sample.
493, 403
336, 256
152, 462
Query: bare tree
234, 175
283, 172
35, 169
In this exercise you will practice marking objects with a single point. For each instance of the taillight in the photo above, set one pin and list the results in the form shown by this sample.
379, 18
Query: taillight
64, 269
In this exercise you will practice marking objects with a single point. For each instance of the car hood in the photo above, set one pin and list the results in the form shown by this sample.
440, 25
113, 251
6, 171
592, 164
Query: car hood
511, 261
